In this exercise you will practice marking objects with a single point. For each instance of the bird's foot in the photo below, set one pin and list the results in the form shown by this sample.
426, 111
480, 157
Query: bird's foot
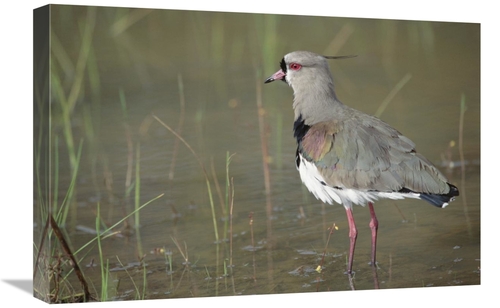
374, 265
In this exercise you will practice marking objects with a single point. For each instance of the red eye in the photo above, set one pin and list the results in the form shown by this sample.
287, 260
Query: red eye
295, 66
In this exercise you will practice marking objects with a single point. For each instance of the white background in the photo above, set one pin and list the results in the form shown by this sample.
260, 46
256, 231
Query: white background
16, 118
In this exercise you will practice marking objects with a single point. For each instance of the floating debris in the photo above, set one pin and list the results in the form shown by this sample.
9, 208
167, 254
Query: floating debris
306, 252
302, 270
252, 248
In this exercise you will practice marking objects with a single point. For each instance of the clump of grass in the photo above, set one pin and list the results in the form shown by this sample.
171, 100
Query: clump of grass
182, 102
54, 217
265, 154
104, 269
56, 273
137, 292
229, 192
202, 166
105, 234
129, 185
65, 206
250, 222
170, 271
231, 235
144, 278
130, 144
209, 191
218, 190
138, 197
108, 230
463, 195
224, 200
319, 269
66, 98
68, 101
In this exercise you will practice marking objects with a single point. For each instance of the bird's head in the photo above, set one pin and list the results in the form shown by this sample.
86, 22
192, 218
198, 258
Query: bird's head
304, 68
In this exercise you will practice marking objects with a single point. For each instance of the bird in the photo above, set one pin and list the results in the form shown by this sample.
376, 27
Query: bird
348, 157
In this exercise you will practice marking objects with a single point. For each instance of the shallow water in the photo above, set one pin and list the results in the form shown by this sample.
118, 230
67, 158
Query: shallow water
221, 57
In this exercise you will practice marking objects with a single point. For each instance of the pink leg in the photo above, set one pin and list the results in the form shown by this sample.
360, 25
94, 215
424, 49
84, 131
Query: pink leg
353, 234
374, 227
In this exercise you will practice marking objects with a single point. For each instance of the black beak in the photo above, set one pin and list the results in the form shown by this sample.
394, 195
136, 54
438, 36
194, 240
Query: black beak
279, 75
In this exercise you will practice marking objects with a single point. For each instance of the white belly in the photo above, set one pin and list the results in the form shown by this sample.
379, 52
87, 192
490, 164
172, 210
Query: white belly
315, 183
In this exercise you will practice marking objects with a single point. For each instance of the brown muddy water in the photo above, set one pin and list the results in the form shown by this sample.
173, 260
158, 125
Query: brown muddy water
202, 74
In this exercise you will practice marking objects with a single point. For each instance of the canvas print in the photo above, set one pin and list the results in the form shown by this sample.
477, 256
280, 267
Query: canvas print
183, 153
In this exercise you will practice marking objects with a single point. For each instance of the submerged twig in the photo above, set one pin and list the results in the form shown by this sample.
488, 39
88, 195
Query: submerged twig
184, 255
186, 260
70, 255
42, 241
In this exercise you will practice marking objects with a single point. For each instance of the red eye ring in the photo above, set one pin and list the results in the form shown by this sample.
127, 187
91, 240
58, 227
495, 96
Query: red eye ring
295, 66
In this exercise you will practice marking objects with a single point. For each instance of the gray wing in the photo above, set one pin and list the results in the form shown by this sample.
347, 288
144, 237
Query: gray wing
366, 153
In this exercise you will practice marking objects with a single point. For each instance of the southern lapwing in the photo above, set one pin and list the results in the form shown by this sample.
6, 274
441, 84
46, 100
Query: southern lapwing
347, 156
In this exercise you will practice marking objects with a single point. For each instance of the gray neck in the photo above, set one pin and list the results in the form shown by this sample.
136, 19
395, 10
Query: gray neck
316, 102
